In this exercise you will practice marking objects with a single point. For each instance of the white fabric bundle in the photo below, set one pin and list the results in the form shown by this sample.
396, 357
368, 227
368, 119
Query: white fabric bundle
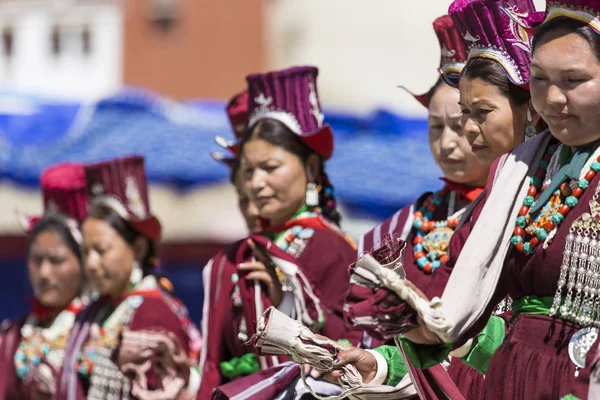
279, 334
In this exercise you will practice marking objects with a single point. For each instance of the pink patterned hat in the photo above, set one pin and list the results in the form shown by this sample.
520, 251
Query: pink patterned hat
453, 53
586, 11
489, 33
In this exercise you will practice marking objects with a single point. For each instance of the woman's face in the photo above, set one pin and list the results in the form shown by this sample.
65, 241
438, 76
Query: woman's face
54, 270
449, 146
108, 258
247, 208
565, 87
490, 121
274, 179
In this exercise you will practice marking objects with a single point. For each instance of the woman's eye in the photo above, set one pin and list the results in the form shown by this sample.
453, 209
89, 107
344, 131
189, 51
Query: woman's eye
483, 111
538, 78
464, 111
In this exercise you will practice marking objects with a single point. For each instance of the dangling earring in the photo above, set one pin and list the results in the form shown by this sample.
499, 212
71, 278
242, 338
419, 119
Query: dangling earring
136, 273
312, 195
529, 129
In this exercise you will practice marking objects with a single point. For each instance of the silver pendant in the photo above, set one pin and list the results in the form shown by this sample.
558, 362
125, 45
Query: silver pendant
580, 344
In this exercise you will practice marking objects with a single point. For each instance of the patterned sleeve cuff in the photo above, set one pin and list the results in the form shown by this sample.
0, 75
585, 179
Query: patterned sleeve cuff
382, 369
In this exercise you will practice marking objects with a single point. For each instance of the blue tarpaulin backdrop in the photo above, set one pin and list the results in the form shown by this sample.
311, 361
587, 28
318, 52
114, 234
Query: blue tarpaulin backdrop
380, 163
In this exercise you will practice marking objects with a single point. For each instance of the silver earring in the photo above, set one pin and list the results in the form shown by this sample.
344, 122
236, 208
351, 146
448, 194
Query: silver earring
312, 195
136, 273
529, 129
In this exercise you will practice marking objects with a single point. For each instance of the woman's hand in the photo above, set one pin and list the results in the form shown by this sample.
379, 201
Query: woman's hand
422, 335
261, 270
365, 363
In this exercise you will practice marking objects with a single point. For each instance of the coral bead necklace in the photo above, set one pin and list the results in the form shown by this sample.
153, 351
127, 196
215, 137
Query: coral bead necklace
432, 238
540, 228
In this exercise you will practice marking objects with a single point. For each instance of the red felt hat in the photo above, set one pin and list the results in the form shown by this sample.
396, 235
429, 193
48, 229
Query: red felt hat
64, 190
121, 184
453, 53
237, 111
290, 96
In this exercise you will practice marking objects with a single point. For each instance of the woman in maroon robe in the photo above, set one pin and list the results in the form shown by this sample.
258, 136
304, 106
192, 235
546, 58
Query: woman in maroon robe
499, 119
32, 348
299, 260
135, 340
542, 211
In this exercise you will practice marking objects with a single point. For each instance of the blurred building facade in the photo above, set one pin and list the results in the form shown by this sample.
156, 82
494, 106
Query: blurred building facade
61, 48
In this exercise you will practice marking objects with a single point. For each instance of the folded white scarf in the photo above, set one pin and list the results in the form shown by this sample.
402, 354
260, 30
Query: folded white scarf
277, 333
475, 276
481, 260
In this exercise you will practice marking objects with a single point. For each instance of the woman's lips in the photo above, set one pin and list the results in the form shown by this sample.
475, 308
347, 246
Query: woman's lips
451, 161
559, 117
476, 147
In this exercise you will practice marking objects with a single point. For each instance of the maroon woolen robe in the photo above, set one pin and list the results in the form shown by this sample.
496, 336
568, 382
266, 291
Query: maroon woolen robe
468, 380
152, 315
324, 262
11, 387
534, 342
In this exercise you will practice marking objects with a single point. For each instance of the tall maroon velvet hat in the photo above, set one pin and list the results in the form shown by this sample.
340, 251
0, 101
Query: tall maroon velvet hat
290, 96
64, 190
586, 11
489, 33
237, 111
453, 53
121, 184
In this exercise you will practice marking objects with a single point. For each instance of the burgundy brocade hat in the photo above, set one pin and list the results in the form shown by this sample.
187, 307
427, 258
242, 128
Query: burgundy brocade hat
489, 33
453, 53
290, 96
586, 11
64, 190
237, 111
121, 184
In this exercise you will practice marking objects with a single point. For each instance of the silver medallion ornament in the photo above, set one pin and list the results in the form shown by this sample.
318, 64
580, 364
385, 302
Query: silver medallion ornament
580, 344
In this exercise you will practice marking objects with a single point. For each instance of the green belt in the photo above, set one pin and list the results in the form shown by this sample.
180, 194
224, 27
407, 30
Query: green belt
532, 305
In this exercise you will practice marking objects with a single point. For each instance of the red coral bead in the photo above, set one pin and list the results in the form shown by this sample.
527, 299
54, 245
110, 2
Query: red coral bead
453, 223
418, 239
418, 215
532, 191
564, 209
427, 267
523, 211
577, 192
520, 246
590, 175
565, 190
444, 259
534, 242
548, 226
548, 157
519, 231
419, 254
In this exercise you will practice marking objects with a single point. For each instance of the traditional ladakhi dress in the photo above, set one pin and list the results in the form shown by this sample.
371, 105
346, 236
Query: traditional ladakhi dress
91, 369
424, 256
311, 257
537, 358
32, 351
